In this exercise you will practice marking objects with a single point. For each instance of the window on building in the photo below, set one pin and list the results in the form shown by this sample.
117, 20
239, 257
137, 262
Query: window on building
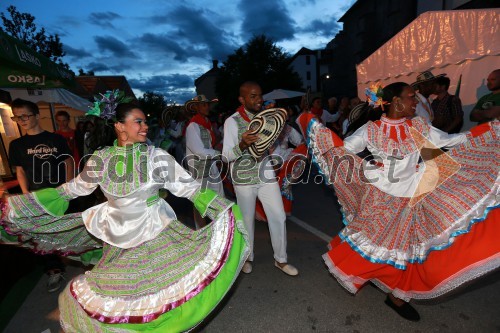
308, 60
308, 75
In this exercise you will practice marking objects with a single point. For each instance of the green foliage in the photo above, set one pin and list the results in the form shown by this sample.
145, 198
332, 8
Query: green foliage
22, 26
152, 104
259, 60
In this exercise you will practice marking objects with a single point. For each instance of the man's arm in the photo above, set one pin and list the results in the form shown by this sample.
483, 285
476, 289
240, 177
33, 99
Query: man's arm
295, 137
176, 131
482, 116
22, 179
327, 117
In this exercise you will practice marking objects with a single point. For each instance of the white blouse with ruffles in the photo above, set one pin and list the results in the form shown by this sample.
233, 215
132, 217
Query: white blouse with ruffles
133, 213
399, 169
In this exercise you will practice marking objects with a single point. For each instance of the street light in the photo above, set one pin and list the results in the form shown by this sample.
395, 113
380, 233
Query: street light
324, 78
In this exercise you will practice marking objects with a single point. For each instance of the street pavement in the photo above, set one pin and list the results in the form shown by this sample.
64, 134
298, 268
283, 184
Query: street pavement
267, 300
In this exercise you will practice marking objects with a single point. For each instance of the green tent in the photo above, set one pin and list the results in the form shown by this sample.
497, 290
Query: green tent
20, 66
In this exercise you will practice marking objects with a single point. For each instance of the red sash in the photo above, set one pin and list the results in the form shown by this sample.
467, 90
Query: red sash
317, 112
243, 114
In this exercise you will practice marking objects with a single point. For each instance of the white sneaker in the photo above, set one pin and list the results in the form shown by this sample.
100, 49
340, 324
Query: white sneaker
287, 269
247, 267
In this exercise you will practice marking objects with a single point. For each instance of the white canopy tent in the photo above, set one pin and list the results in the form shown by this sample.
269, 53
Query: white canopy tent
282, 94
58, 95
459, 43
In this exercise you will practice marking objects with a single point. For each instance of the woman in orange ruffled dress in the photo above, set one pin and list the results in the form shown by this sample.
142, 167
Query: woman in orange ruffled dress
417, 225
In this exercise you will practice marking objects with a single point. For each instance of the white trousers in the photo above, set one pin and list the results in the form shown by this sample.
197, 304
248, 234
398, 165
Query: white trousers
270, 197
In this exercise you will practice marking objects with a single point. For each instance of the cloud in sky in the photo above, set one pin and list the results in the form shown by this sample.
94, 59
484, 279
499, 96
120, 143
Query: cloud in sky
118, 48
76, 53
270, 17
103, 19
164, 46
177, 87
321, 28
198, 30
97, 67
106, 65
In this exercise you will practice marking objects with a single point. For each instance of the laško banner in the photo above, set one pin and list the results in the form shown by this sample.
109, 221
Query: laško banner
21, 67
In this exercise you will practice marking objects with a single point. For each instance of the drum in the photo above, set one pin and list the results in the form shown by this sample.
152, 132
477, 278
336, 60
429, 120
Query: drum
268, 125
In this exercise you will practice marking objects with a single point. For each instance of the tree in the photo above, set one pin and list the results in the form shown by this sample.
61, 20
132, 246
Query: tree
259, 60
22, 26
81, 72
152, 104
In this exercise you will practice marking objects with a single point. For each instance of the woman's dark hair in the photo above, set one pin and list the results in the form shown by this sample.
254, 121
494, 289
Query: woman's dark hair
372, 114
393, 90
368, 113
103, 134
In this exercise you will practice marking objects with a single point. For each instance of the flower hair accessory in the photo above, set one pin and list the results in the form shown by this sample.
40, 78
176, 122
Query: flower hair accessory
105, 105
374, 95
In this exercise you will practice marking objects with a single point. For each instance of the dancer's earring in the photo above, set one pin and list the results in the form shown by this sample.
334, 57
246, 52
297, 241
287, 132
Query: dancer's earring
399, 110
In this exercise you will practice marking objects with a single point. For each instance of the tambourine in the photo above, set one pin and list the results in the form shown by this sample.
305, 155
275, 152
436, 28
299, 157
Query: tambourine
268, 125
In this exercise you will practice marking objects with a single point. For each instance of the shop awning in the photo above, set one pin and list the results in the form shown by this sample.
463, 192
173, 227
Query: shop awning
20, 66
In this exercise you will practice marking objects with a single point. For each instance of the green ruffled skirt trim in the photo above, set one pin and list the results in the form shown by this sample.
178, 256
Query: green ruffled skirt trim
185, 316
36, 221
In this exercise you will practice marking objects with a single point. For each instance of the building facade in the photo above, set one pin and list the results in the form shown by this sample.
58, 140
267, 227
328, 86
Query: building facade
205, 84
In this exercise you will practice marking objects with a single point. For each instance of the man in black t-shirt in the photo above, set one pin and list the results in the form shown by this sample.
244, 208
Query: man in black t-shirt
41, 159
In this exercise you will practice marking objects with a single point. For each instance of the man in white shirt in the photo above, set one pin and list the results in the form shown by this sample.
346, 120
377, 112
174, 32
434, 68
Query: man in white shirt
255, 178
425, 86
201, 156
322, 114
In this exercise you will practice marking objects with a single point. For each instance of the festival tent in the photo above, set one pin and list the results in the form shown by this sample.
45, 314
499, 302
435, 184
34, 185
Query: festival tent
461, 43
282, 94
59, 95
52, 100
29, 75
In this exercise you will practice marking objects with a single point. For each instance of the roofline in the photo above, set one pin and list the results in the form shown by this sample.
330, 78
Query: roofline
341, 19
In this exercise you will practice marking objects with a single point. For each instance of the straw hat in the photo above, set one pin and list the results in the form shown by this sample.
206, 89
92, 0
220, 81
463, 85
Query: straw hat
356, 112
425, 77
268, 125
197, 99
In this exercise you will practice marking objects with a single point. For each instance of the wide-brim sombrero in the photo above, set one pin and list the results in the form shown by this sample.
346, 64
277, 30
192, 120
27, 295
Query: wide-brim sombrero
268, 125
356, 112
198, 99
425, 77
168, 114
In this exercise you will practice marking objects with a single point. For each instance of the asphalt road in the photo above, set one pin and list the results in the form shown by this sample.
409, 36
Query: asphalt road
267, 300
